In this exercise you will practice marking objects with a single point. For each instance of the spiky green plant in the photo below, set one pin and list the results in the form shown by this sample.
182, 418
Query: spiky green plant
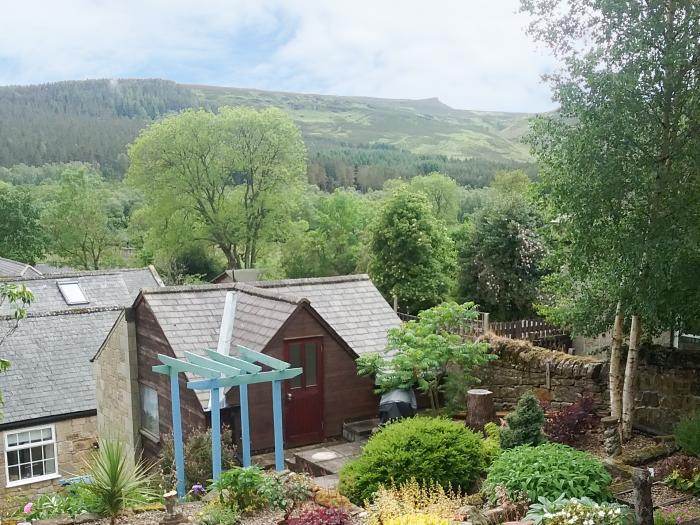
117, 480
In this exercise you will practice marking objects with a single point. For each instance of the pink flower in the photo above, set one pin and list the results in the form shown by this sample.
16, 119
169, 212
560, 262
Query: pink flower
28, 508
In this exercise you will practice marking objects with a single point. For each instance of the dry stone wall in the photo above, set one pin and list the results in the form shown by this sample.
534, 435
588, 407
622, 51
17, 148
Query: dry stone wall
669, 380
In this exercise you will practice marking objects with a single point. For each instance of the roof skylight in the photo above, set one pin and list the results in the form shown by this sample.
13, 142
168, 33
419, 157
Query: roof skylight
72, 293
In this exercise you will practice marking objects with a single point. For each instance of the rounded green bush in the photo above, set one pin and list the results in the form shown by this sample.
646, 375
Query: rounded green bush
548, 470
687, 434
426, 449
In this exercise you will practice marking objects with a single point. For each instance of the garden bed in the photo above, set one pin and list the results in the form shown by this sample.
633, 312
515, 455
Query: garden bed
661, 496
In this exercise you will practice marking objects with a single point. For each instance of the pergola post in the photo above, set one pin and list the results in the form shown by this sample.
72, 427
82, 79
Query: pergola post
215, 433
277, 417
245, 425
177, 433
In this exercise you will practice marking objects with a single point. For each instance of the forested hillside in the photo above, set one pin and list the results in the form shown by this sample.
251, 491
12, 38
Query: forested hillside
351, 141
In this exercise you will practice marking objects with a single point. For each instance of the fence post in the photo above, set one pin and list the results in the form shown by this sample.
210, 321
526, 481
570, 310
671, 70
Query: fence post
485, 325
396, 303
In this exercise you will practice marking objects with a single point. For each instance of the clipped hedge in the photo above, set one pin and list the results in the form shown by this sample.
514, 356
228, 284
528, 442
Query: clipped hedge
425, 449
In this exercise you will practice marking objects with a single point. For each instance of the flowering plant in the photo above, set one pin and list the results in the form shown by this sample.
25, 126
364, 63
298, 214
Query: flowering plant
198, 490
28, 508
679, 513
578, 512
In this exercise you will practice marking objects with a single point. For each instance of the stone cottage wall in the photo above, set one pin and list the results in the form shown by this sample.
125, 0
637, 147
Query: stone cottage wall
669, 380
116, 378
75, 440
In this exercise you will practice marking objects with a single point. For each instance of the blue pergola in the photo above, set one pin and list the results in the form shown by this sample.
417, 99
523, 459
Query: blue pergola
221, 371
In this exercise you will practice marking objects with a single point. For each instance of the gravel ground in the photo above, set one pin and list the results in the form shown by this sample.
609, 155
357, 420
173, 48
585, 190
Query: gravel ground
192, 509
592, 442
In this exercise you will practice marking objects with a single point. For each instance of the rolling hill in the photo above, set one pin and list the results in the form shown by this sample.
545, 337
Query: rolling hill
351, 140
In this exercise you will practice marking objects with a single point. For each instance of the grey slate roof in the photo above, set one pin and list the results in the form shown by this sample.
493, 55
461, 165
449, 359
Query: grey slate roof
10, 268
51, 373
351, 304
190, 316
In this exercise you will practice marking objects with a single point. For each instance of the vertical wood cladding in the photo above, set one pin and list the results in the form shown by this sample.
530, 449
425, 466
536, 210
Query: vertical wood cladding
151, 341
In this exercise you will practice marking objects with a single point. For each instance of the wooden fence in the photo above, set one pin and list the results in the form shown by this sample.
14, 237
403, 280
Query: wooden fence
536, 330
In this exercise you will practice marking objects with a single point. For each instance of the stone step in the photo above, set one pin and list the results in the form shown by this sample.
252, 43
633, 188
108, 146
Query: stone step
359, 430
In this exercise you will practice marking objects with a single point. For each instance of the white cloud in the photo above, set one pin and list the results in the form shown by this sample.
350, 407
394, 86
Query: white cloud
472, 54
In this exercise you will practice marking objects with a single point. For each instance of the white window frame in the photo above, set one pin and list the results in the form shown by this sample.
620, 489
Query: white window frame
148, 432
35, 479
72, 282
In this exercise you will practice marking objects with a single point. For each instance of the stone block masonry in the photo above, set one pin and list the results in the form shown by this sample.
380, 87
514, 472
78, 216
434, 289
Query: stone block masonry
669, 380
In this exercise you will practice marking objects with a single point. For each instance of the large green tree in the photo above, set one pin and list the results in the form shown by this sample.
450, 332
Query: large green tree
444, 195
620, 162
412, 256
229, 179
335, 243
500, 257
22, 236
82, 231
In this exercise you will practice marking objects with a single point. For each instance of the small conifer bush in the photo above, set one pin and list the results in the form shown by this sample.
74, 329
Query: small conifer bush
524, 424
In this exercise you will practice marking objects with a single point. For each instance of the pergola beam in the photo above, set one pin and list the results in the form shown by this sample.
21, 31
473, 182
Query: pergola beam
245, 379
257, 357
233, 361
217, 366
183, 366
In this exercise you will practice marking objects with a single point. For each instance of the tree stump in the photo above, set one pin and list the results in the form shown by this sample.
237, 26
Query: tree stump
643, 505
611, 436
480, 409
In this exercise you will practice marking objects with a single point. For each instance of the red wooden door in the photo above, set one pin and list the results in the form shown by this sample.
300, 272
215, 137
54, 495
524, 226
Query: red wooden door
303, 395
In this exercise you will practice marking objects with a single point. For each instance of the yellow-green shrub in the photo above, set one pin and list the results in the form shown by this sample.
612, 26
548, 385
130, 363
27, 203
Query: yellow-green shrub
411, 498
418, 519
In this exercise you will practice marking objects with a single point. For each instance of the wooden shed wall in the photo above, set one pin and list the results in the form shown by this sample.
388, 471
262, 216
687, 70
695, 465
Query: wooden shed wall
151, 341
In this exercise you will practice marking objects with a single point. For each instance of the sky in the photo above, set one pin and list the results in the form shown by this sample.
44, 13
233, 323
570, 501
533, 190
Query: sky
471, 54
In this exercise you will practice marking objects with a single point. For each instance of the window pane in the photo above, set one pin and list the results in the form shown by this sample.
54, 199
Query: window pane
50, 466
14, 473
12, 457
295, 361
35, 436
48, 451
149, 410
46, 434
25, 471
72, 293
22, 438
310, 368
37, 453
11, 440
24, 455
37, 468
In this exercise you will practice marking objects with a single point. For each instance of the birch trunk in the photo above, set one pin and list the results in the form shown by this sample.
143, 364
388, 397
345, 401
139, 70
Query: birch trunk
629, 389
615, 378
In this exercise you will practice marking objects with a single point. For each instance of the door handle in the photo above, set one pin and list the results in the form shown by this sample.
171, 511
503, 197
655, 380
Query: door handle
289, 396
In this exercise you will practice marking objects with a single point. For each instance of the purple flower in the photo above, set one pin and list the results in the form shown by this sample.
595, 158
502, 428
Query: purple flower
198, 489
28, 508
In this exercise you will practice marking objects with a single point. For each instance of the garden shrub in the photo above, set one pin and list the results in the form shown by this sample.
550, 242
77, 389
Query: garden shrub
426, 449
321, 516
412, 498
568, 423
216, 514
687, 434
247, 489
685, 465
547, 470
492, 443
294, 488
686, 483
524, 424
547, 509
589, 512
418, 519
70, 501
198, 459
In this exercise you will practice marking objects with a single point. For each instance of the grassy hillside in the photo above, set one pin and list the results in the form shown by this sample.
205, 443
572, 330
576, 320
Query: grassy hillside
419, 126
351, 140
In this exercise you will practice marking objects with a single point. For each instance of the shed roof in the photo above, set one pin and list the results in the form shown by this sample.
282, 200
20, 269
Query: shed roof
51, 374
190, 316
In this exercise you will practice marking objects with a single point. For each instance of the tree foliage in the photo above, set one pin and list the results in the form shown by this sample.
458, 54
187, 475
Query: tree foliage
500, 257
443, 193
81, 230
228, 179
335, 243
430, 354
22, 236
619, 163
412, 257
